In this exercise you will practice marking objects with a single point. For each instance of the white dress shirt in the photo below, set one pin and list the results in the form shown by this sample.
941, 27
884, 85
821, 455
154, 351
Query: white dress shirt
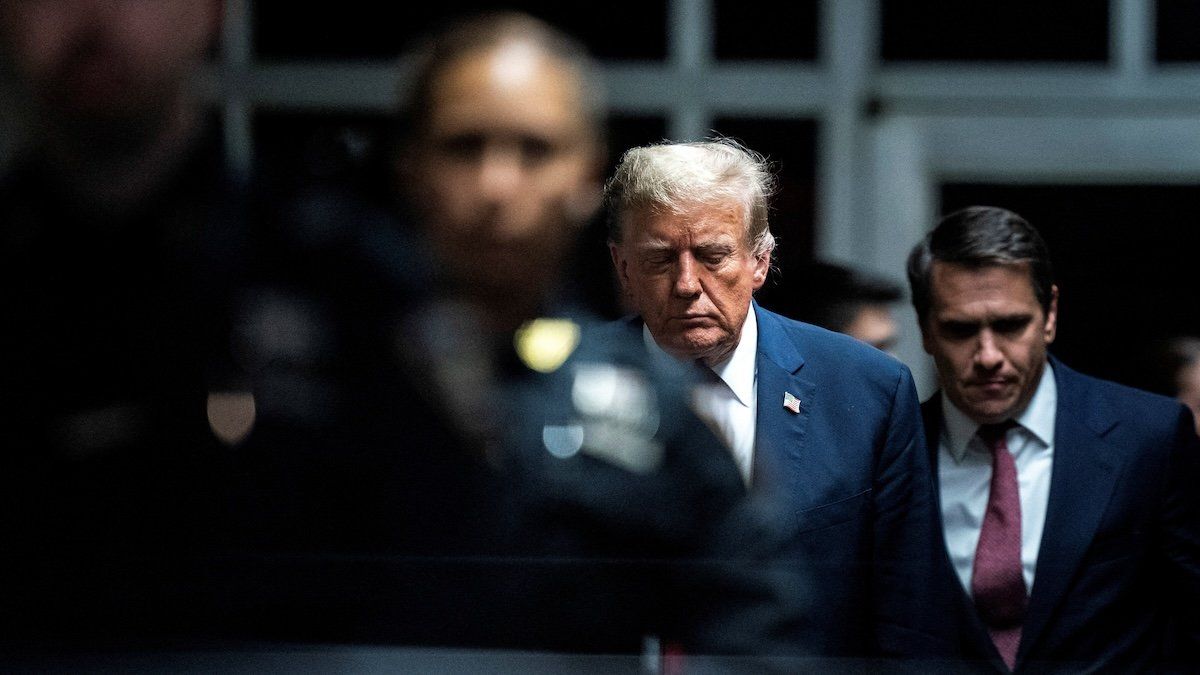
730, 405
965, 475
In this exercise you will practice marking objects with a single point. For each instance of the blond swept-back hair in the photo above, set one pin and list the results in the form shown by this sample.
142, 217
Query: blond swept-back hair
675, 176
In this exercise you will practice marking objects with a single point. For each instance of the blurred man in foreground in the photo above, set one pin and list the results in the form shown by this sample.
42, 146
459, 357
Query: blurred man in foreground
510, 479
623, 497
116, 305
172, 322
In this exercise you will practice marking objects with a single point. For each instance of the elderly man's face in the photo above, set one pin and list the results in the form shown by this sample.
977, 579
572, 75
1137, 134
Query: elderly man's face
691, 275
988, 335
115, 59
505, 169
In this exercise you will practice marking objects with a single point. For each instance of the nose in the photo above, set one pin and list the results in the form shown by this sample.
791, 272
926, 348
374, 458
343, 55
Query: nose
499, 174
687, 284
988, 355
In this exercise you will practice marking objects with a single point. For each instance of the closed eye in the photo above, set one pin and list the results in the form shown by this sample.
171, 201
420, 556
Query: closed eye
535, 151
1011, 325
656, 258
958, 330
713, 255
462, 148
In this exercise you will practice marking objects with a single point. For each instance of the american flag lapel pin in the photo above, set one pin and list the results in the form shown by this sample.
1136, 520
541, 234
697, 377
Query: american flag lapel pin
791, 403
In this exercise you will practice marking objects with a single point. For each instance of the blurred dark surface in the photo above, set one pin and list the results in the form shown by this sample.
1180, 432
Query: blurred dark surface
1175, 31
748, 30
791, 146
359, 29
1066, 31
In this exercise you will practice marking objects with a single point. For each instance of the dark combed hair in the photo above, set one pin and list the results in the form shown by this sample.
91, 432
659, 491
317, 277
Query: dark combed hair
975, 237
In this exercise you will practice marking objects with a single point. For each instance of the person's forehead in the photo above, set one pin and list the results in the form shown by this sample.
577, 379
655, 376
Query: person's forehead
514, 83
714, 218
1011, 282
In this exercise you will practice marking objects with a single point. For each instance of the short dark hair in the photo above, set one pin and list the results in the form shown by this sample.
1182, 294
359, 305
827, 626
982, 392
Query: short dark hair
980, 236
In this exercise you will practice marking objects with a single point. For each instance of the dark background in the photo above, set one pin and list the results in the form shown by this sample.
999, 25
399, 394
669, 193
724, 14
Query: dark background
1123, 253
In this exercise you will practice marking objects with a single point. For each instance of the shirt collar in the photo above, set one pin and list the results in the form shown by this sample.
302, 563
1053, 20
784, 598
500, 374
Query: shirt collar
1037, 418
738, 370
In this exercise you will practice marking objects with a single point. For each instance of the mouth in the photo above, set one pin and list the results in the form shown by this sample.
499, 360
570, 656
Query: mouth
992, 386
695, 319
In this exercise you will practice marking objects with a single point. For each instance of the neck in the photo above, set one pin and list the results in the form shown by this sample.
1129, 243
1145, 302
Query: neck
503, 313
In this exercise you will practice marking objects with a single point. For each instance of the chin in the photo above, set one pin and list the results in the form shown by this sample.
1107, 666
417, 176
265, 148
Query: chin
699, 344
993, 414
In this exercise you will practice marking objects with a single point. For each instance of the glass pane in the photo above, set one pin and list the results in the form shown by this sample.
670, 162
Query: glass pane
347, 149
950, 30
762, 29
1125, 260
616, 30
1175, 40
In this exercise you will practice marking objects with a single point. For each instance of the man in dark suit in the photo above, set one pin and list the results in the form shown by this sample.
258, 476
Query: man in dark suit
1068, 504
821, 425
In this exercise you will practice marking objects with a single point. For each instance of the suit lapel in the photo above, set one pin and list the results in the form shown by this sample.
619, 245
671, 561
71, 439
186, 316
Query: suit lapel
971, 627
1084, 474
780, 448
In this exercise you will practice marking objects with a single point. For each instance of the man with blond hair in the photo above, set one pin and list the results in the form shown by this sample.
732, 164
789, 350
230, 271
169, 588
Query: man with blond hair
822, 426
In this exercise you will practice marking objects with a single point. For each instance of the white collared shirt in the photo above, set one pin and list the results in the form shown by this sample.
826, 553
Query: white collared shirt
732, 405
965, 475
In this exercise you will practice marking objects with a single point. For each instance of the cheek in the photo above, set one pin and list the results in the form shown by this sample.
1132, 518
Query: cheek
549, 193
730, 289
1027, 354
443, 190
952, 360
553, 180
650, 292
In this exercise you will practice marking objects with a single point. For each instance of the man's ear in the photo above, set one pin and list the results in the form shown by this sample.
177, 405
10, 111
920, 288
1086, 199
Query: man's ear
762, 267
926, 341
1051, 327
620, 265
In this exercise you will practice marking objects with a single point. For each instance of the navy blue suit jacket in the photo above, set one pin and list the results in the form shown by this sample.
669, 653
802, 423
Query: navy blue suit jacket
1117, 581
849, 479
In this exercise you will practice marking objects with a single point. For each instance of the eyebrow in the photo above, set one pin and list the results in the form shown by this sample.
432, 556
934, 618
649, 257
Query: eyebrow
654, 246
1020, 316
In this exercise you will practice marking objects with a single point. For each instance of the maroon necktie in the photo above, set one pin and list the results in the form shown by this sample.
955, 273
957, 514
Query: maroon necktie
997, 582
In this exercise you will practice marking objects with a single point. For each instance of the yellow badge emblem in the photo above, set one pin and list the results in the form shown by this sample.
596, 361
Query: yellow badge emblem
545, 344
